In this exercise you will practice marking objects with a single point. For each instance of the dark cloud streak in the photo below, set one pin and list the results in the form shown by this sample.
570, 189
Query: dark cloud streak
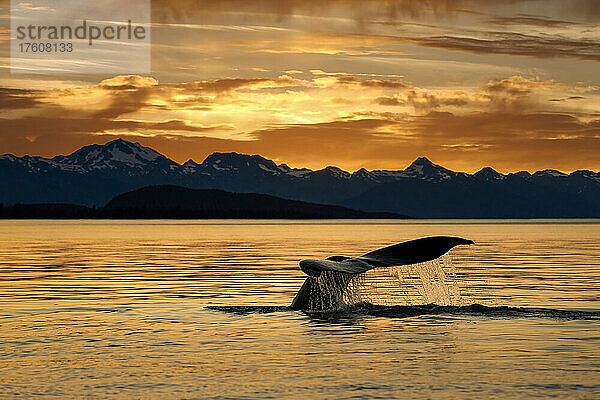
530, 20
17, 98
510, 43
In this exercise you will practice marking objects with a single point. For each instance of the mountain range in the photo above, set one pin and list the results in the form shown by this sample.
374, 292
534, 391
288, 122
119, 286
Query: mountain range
95, 174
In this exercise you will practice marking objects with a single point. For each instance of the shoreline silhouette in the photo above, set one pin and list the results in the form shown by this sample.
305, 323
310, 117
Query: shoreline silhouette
176, 202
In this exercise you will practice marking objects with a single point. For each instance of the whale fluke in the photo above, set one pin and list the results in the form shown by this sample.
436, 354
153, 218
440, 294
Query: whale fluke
327, 279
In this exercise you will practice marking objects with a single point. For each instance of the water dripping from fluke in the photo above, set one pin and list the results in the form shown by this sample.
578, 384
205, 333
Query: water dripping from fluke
399, 274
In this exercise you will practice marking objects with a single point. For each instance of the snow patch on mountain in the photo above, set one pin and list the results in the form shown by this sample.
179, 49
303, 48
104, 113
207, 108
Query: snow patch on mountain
265, 168
226, 168
337, 172
550, 172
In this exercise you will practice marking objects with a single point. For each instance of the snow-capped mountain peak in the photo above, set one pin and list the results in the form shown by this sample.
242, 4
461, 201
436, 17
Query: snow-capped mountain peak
114, 155
587, 174
295, 172
363, 173
550, 172
423, 168
235, 162
117, 150
335, 172
488, 173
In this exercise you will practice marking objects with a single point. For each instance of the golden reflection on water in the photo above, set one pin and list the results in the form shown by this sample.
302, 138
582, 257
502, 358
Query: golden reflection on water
116, 309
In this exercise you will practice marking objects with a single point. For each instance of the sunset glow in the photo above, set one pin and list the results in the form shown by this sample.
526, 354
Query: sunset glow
375, 84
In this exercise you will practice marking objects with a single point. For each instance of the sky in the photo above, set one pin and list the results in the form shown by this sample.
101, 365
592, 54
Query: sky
511, 84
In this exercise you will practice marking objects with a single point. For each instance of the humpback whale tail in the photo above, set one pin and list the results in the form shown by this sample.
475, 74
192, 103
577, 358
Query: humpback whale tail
327, 279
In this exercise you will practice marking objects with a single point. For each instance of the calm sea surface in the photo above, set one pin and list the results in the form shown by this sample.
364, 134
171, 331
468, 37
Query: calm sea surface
197, 309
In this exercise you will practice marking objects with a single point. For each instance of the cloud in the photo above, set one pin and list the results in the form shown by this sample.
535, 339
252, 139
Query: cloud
125, 102
530, 20
17, 98
568, 98
360, 75
518, 85
125, 82
221, 85
389, 101
320, 43
512, 43
341, 101
46, 125
127, 94
372, 83
522, 95
227, 85
422, 99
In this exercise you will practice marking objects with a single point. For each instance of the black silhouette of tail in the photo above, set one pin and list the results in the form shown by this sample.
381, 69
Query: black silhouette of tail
328, 279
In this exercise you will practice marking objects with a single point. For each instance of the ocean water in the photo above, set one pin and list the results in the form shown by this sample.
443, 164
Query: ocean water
193, 309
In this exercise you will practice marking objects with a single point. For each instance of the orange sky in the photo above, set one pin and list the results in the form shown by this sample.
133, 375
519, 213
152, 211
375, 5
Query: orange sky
508, 83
